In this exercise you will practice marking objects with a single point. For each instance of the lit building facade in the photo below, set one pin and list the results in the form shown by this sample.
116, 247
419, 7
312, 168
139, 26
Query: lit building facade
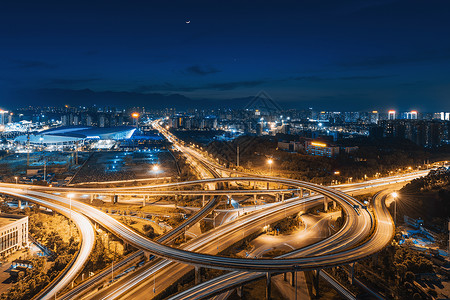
421, 132
391, 115
71, 135
321, 149
13, 233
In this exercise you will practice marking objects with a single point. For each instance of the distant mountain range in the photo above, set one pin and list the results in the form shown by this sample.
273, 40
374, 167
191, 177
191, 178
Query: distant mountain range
87, 97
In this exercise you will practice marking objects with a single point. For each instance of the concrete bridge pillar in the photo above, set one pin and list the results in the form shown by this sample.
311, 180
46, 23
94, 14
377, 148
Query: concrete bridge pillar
352, 272
197, 275
312, 279
316, 282
239, 291
19, 204
334, 205
268, 285
143, 200
282, 197
285, 277
147, 255
268, 185
229, 199
254, 198
325, 204
375, 259
301, 193
92, 198
293, 278
203, 200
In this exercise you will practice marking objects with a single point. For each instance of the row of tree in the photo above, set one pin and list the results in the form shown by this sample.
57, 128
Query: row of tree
41, 227
372, 156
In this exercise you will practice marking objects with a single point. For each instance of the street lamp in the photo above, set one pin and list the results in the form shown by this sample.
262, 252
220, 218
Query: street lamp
135, 116
155, 169
16, 178
70, 196
270, 162
395, 195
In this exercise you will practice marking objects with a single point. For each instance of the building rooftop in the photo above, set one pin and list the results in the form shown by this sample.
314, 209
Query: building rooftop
73, 134
6, 219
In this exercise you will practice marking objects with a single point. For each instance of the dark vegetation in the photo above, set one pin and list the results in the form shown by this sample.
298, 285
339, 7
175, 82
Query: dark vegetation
393, 272
373, 156
427, 197
186, 172
288, 224
149, 231
202, 137
206, 226
396, 271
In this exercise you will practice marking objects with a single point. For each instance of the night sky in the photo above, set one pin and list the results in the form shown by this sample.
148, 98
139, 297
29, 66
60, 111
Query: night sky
336, 55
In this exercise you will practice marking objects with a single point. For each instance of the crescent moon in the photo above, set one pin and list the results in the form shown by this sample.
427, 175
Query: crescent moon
187, 22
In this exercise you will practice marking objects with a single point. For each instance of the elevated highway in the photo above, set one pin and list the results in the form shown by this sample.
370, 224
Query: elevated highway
382, 236
87, 237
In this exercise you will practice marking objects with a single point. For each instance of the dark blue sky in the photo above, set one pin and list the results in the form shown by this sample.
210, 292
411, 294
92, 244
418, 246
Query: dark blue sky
339, 55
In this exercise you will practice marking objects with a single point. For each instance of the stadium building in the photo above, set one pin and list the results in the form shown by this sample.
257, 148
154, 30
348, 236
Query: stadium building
68, 136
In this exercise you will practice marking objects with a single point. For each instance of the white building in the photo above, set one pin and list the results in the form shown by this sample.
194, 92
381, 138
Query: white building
13, 233
71, 135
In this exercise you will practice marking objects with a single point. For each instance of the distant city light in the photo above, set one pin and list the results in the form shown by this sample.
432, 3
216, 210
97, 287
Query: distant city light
391, 114
318, 144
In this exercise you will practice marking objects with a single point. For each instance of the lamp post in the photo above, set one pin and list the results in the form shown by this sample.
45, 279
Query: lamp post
16, 178
135, 116
270, 162
155, 169
395, 195
70, 196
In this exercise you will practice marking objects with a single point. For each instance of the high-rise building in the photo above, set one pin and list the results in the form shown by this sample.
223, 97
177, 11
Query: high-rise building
391, 115
101, 121
410, 115
445, 116
374, 117
422, 132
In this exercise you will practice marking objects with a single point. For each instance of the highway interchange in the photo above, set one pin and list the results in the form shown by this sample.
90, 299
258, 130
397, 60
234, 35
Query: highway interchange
360, 236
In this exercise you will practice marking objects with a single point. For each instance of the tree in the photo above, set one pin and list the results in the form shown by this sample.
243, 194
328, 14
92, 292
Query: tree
409, 276
149, 231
